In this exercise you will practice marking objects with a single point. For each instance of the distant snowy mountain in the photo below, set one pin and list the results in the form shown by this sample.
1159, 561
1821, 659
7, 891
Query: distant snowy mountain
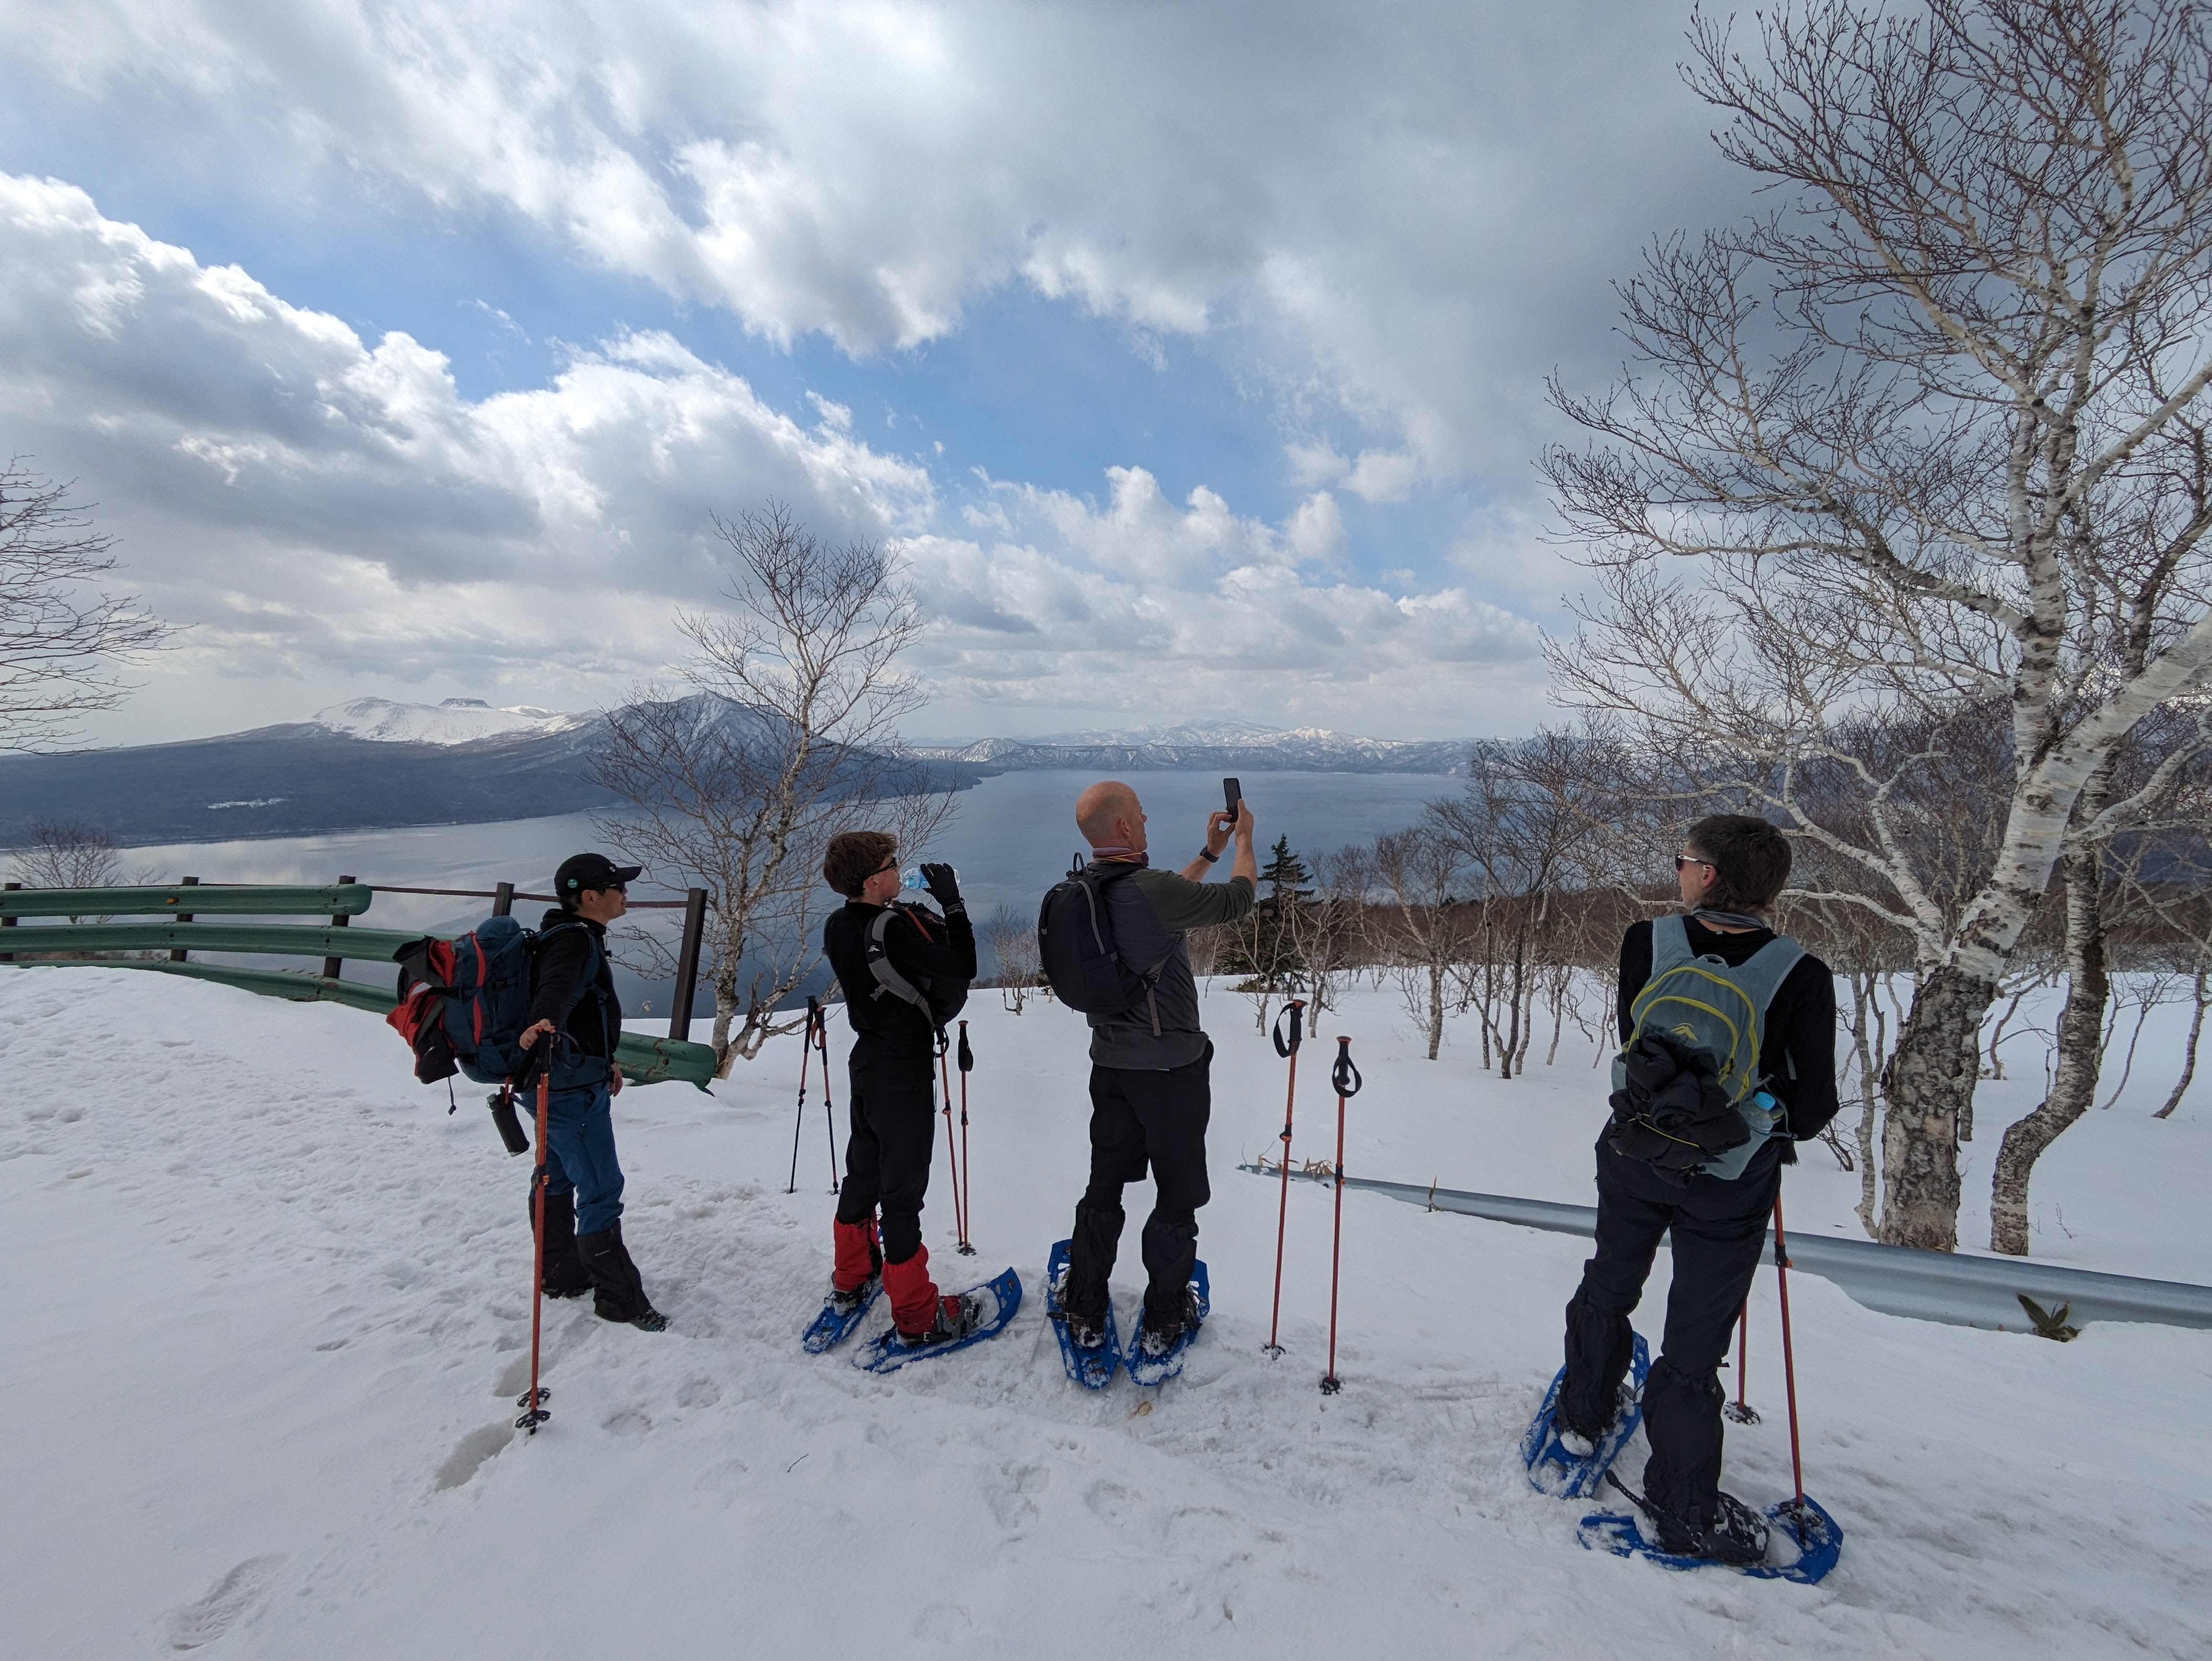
1228, 746
371, 763
457, 721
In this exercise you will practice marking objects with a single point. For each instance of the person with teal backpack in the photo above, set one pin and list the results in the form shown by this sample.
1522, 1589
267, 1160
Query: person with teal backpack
1728, 1059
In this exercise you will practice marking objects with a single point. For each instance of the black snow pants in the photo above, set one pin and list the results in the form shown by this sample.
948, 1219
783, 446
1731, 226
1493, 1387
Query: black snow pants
1139, 1116
893, 1108
1719, 1230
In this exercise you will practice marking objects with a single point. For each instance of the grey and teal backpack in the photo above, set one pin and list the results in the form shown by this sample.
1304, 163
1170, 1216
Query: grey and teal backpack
1701, 1003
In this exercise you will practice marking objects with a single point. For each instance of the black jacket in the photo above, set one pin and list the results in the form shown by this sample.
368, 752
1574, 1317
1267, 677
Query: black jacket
921, 945
1798, 1053
593, 1019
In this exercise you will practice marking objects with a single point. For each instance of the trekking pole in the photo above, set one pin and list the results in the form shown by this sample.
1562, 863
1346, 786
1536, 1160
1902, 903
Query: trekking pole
1294, 1012
1345, 1077
1740, 1411
806, 1065
952, 1150
534, 1411
829, 1107
967, 1059
1788, 1362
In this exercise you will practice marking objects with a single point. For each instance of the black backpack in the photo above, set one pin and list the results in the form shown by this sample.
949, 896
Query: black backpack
1076, 949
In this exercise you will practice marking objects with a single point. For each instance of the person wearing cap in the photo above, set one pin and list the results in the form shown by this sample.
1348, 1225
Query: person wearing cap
898, 1000
573, 1006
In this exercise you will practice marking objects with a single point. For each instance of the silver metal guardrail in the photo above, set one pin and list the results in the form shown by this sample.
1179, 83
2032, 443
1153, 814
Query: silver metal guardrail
1952, 1287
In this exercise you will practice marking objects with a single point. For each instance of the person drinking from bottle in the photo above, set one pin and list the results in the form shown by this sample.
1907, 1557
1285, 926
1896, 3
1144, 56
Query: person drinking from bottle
574, 1010
905, 972
1150, 1093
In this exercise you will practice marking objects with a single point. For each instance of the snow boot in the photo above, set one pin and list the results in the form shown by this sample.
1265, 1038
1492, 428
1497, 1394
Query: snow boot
860, 1262
954, 1317
563, 1275
1085, 1330
1156, 1337
1735, 1534
618, 1291
1577, 1445
915, 1304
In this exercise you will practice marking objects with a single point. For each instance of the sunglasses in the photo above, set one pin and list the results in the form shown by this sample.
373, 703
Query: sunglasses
891, 864
1681, 859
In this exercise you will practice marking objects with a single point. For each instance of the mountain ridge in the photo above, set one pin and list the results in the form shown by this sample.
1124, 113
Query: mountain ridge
375, 764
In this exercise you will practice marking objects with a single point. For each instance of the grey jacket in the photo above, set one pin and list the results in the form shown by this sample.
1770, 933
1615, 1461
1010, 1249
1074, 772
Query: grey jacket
1150, 912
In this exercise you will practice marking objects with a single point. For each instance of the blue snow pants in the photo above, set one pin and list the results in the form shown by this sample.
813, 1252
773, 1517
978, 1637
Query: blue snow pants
579, 1155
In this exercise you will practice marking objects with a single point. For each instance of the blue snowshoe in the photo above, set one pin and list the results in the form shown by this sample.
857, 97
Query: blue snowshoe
1149, 1369
1092, 1367
1802, 1544
1552, 1468
986, 1310
840, 1312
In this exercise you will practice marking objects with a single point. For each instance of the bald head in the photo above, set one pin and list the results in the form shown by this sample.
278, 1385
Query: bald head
1108, 816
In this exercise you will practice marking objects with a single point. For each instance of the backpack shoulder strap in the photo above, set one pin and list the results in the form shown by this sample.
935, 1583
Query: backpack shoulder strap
1760, 975
1094, 879
587, 983
1670, 944
888, 978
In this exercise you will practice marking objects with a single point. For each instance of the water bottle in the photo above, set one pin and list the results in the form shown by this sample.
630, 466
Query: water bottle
913, 881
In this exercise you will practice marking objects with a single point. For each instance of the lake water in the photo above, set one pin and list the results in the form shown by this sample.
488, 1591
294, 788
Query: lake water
1010, 836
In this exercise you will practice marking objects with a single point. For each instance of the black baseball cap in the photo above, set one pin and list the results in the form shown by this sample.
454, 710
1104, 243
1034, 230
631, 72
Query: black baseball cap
593, 871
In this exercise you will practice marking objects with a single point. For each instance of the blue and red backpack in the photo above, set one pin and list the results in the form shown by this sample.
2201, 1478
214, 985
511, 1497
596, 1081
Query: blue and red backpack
464, 1003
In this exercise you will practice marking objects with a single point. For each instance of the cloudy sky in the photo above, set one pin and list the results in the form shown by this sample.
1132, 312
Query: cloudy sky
1191, 354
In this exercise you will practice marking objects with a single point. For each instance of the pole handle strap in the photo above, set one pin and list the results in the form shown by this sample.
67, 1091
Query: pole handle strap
1344, 1077
1295, 1012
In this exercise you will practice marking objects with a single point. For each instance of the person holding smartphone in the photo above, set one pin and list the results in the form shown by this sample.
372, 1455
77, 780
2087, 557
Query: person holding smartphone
1151, 1094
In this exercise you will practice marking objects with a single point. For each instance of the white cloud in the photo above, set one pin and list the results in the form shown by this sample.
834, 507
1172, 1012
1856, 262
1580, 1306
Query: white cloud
1383, 476
317, 506
1144, 607
1410, 208
334, 516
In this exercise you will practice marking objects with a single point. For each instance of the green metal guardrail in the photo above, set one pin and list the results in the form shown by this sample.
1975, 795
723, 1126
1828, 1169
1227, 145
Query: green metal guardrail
276, 940
210, 899
643, 1060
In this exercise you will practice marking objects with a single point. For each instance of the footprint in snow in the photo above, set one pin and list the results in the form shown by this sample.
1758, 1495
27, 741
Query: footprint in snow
469, 1453
196, 1624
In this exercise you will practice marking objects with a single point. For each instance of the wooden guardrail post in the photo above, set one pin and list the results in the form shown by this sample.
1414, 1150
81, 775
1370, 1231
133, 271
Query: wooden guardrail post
687, 962
177, 955
333, 968
502, 899
8, 922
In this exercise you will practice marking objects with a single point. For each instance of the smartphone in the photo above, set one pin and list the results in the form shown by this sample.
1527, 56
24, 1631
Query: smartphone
1231, 794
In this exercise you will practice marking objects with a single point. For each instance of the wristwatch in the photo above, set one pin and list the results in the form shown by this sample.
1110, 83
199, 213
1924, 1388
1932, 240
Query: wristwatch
1211, 858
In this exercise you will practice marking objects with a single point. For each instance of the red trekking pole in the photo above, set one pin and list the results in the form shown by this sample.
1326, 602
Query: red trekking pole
1345, 1078
966, 1065
1789, 1361
534, 1411
821, 1032
952, 1153
1294, 1012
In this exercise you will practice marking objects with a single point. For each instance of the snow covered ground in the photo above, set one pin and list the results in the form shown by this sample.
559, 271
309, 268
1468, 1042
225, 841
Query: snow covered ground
265, 1318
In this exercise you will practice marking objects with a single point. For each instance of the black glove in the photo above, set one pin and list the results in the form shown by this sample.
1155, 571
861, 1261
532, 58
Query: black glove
944, 886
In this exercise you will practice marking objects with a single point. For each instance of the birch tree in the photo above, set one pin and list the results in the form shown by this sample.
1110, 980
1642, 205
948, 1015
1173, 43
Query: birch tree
1924, 437
788, 734
63, 636
2116, 799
